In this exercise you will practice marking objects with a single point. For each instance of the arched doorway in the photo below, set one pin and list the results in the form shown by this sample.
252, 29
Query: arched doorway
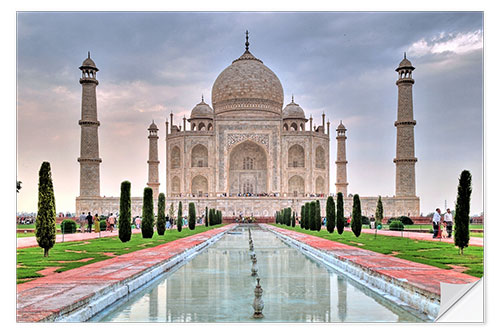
199, 186
296, 186
247, 169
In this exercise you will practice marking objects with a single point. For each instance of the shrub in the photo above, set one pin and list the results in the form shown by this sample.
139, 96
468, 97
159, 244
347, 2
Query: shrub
330, 214
125, 228
365, 220
191, 216
287, 216
406, 220
396, 225
46, 217
68, 226
356, 216
179, 217
378, 223
102, 224
340, 213
148, 217
462, 210
306, 215
161, 219
206, 216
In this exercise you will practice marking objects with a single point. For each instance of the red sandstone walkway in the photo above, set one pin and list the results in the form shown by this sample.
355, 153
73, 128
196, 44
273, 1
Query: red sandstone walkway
46, 297
23, 242
424, 277
474, 241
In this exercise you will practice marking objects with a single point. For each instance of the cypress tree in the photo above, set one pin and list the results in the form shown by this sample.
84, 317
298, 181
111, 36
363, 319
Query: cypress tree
312, 215
192, 216
211, 217
206, 216
317, 215
160, 223
293, 219
124, 227
179, 217
220, 217
288, 212
148, 215
330, 214
462, 209
340, 213
306, 216
302, 209
356, 216
379, 212
46, 216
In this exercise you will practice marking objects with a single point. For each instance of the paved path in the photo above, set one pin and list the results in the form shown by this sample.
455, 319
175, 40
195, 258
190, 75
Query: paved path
474, 241
424, 277
23, 242
44, 298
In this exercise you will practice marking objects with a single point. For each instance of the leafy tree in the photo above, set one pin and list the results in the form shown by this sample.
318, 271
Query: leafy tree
340, 213
206, 216
356, 216
379, 212
293, 219
306, 215
192, 216
160, 223
46, 216
148, 215
462, 210
330, 214
124, 226
312, 215
179, 217
317, 215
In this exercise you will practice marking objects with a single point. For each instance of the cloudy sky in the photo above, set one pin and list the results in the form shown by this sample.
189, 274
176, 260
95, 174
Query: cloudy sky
338, 63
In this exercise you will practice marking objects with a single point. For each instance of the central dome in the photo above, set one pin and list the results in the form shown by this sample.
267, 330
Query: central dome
247, 85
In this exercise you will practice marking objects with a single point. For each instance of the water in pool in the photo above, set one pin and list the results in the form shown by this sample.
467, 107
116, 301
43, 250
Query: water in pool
217, 286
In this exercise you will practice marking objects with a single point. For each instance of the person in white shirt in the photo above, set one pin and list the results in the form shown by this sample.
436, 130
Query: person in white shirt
448, 220
436, 220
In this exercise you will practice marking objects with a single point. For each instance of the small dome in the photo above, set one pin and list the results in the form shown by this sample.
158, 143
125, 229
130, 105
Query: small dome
202, 110
293, 110
341, 126
88, 63
153, 126
405, 63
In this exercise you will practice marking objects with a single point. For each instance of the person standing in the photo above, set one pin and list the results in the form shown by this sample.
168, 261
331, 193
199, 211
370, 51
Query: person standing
82, 219
448, 220
436, 220
90, 220
97, 227
111, 220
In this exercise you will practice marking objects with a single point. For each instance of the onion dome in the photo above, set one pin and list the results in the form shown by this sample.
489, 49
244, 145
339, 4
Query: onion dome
202, 110
247, 85
88, 63
405, 64
293, 110
153, 127
341, 127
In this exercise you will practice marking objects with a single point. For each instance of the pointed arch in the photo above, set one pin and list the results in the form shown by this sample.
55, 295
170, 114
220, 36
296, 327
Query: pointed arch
296, 186
175, 158
296, 156
320, 158
199, 185
199, 156
176, 186
320, 185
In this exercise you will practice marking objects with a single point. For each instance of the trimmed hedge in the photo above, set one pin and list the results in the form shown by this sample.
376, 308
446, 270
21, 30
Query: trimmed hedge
396, 225
68, 226
406, 220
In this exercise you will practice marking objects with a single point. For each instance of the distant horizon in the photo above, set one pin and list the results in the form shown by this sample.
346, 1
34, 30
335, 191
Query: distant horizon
338, 63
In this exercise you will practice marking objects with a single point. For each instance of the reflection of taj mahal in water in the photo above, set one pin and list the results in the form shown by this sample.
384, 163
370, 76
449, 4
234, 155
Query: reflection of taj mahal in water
247, 153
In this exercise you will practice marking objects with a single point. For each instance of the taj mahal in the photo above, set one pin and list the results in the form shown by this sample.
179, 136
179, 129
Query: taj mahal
248, 153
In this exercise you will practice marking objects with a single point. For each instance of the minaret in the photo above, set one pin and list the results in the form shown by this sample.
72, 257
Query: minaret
341, 161
405, 147
153, 162
89, 149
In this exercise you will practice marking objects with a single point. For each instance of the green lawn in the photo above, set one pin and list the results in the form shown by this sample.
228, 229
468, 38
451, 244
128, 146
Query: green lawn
437, 254
25, 226
31, 260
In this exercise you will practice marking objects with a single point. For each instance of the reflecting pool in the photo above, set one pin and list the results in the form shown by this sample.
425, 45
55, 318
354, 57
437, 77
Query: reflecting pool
217, 286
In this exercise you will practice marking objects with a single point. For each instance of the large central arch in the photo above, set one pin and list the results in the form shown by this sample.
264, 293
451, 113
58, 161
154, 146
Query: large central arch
247, 169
